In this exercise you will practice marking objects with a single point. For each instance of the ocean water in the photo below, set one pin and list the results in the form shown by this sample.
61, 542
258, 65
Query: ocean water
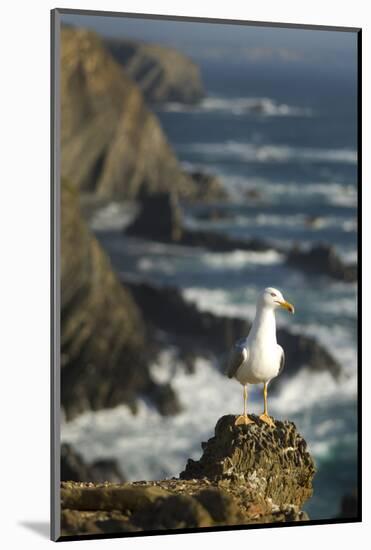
284, 144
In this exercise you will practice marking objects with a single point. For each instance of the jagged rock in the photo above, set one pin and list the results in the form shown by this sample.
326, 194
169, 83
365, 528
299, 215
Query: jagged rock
322, 259
246, 475
162, 73
274, 461
74, 468
111, 143
198, 333
104, 344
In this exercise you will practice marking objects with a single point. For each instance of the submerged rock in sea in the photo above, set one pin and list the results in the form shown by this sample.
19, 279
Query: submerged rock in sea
349, 505
247, 475
323, 260
209, 187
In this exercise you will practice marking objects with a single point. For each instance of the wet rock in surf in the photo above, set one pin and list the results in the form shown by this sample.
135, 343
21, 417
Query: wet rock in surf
209, 187
246, 475
349, 505
159, 219
323, 260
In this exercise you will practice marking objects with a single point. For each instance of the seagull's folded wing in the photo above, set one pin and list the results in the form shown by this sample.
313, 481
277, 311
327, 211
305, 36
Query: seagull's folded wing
282, 360
238, 355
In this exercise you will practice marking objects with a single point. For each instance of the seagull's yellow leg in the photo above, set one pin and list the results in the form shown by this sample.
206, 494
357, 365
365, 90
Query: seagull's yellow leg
243, 418
265, 416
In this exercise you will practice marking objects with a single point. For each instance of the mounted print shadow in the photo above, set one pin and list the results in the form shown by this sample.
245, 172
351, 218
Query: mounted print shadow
206, 186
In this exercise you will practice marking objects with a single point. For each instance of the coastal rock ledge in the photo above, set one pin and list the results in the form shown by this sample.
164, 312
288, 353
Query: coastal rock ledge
246, 475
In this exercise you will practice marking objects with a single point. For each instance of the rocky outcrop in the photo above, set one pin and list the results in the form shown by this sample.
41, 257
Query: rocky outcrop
323, 260
75, 468
203, 333
276, 459
162, 73
160, 219
104, 345
111, 143
247, 475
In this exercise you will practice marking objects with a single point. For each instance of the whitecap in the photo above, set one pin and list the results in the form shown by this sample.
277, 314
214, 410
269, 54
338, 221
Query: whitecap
113, 216
149, 446
257, 106
269, 153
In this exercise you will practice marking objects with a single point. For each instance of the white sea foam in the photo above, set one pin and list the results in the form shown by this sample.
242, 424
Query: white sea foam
113, 216
241, 258
149, 446
335, 193
218, 301
261, 106
269, 153
235, 260
336, 339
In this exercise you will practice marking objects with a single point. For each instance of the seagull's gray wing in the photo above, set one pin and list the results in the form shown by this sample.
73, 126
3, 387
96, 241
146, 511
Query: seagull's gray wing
282, 360
239, 353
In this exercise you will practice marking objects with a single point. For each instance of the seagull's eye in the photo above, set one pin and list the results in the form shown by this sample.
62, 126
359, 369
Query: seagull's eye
273, 294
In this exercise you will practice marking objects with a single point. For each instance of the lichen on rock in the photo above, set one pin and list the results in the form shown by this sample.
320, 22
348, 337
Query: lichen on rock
274, 462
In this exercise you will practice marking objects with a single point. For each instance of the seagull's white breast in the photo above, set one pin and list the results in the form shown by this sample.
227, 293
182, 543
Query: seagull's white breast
263, 363
264, 355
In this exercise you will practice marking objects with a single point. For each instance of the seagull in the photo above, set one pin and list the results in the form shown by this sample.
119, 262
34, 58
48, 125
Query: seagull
258, 358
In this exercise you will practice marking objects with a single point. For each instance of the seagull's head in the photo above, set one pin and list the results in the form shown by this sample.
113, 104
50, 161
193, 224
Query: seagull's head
271, 297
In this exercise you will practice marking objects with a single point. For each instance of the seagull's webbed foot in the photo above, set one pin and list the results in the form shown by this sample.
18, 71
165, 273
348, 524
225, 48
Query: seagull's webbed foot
243, 420
267, 419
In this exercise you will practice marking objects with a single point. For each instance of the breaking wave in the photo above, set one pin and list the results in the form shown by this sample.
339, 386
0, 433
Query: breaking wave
149, 446
258, 106
268, 153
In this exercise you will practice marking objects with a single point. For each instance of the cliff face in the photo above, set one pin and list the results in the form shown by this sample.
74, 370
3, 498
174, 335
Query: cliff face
163, 74
103, 340
111, 143
246, 475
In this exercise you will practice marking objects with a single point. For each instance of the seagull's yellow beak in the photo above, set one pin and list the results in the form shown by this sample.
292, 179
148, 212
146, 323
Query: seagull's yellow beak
287, 305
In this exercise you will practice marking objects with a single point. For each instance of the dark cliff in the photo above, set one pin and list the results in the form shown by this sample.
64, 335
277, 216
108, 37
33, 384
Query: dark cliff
103, 338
